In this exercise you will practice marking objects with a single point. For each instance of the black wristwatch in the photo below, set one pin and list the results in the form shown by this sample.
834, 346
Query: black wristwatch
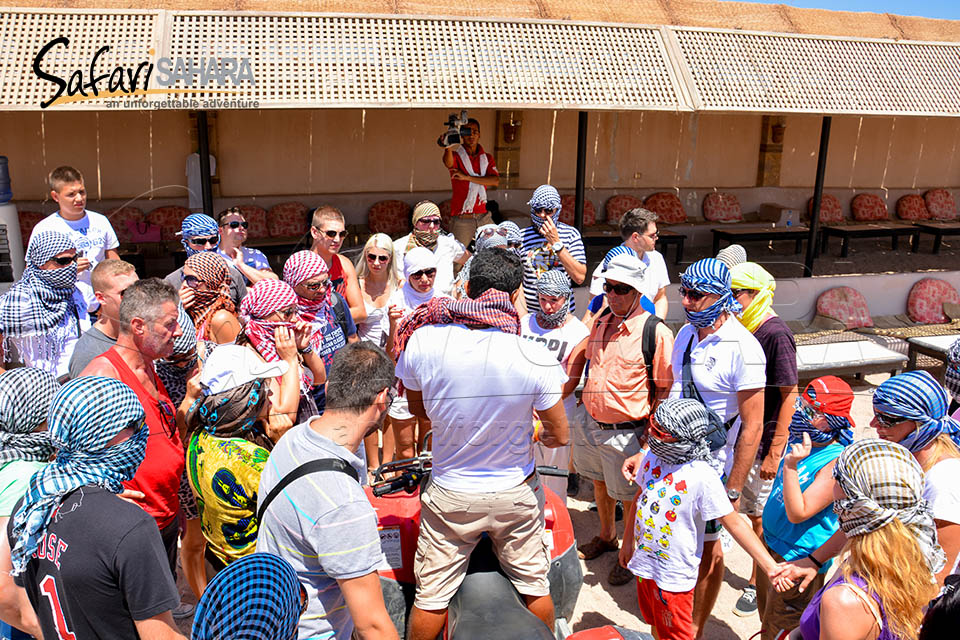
308, 349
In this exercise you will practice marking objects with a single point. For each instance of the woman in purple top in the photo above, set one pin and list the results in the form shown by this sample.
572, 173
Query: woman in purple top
892, 552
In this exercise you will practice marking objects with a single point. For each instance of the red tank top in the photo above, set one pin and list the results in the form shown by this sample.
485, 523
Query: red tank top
337, 280
159, 474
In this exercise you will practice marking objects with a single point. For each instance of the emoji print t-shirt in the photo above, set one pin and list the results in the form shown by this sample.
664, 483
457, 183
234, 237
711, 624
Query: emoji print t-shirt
673, 507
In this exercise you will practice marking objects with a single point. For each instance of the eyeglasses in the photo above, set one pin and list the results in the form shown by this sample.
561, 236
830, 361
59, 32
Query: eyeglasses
809, 412
693, 294
202, 241
514, 244
169, 415
424, 272
658, 432
889, 421
391, 396
375, 258
317, 286
487, 233
191, 281
429, 222
619, 289
236, 224
330, 233
63, 262
654, 234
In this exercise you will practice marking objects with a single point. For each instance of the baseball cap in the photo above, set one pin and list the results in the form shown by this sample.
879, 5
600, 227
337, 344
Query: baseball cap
626, 268
230, 366
830, 394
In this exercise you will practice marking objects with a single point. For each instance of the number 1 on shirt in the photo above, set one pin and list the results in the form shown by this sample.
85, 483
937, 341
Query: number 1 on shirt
48, 587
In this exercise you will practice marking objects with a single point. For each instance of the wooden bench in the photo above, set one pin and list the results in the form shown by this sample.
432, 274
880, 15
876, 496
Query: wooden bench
938, 230
868, 230
935, 347
745, 233
847, 358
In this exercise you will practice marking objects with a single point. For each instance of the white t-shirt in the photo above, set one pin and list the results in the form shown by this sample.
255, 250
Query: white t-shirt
31, 349
559, 342
480, 388
727, 361
655, 277
93, 236
675, 503
941, 490
448, 249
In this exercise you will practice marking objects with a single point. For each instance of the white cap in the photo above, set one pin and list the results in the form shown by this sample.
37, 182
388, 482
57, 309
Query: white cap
229, 366
626, 268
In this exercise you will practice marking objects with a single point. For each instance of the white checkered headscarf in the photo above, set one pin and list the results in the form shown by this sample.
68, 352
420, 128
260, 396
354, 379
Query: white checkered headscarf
25, 396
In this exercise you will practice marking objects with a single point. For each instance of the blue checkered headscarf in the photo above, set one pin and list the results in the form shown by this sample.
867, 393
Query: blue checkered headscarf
709, 276
840, 427
916, 395
86, 414
197, 224
25, 396
545, 197
952, 374
255, 598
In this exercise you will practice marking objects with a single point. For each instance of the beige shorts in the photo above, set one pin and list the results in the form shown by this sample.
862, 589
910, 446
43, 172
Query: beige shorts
451, 524
755, 492
599, 455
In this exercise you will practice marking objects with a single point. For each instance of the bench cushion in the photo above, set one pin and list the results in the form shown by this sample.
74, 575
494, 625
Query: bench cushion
169, 220
667, 206
940, 204
868, 207
619, 205
288, 220
568, 208
256, 217
831, 211
391, 217
722, 207
912, 207
926, 299
121, 219
845, 304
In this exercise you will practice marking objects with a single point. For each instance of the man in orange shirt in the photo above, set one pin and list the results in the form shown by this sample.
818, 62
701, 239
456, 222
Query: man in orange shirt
630, 370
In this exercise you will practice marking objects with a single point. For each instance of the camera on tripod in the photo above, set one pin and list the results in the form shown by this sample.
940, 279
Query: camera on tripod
456, 130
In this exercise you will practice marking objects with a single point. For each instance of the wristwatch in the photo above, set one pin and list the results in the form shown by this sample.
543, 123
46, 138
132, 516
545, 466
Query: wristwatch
733, 495
557, 247
305, 351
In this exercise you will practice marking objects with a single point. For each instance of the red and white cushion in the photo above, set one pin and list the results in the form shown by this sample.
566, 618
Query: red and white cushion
121, 219
568, 208
391, 217
846, 305
940, 204
256, 217
912, 207
667, 206
169, 220
831, 211
722, 207
926, 299
287, 220
28, 220
619, 205
446, 218
869, 207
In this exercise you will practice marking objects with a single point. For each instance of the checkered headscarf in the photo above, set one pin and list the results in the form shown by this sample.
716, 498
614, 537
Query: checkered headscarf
300, 267
84, 416
211, 269
264, 298
952, 374
687, 421
553, 283
513, 233
545, 197
709, 276
255, 598
197, 224
916, 395
173, 371
41, 303
882, 481
25, 395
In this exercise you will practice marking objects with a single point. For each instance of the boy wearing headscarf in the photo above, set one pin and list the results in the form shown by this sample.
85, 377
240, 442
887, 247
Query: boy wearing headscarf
753, 287
550, 245
44, 313
427, 234
76, 548
199, 232
679, 493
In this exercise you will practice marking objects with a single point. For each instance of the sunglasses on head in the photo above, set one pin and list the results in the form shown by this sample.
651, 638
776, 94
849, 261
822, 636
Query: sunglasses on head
317, 286
659, 433
429, 222
236, 224
375, 258
487, 233
424, 272
204, 240
889, 421
620, 289
63, 262
809, 412
693, 294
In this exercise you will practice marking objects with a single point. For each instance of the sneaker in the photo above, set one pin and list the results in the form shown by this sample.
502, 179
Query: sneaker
184, 610
573, 485
747, 604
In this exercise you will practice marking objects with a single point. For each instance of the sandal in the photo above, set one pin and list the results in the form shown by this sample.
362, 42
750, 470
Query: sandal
619, 575
597, 547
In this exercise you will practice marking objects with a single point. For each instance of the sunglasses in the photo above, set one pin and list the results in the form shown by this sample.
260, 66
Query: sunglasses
391, 396
619, 289
809, 412
374, 258
191, 281
63, 262
693, 294
514, 244
659, 433
317, 286
429, 222
330, 233
889, 421
169, 415
487, 233
236, 224
737, 292
547, 210
424, 272
204, 240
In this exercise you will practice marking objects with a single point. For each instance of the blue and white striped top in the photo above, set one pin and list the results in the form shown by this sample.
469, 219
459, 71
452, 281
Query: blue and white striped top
538, 257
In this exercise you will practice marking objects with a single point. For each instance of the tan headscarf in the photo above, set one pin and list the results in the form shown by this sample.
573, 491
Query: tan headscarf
426, 239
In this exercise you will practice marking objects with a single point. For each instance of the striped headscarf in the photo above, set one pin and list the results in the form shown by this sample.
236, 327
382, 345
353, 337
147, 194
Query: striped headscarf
41, 302
686, 420
25, 396
881, 481
545, 197
952, 373
750, 275
212, 271
553, 283
709, 276
420, 238
916, 395
619, 250
266, 297
86, 414
732, 255
832, 397
300, 267
197, 224
258, 597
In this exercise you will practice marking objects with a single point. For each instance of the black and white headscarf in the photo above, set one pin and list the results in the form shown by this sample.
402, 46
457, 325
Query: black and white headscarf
25, 396
686, 420
553, 283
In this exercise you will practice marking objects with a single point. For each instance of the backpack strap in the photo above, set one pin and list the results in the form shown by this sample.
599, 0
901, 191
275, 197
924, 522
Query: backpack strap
649, 347
339, 310
314, 466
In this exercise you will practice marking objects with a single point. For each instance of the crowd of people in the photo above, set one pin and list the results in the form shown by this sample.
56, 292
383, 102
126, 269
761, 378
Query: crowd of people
221, 422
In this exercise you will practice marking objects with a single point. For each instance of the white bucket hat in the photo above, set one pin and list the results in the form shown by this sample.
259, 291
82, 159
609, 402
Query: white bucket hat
626, 268
230, 366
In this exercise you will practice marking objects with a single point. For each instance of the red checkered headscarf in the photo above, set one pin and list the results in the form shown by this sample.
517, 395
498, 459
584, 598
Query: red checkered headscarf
300, 267
266, 297
211, 270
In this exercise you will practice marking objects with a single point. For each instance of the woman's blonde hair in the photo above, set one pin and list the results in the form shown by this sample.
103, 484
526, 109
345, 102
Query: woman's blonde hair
380, 241
891, 563
942, 447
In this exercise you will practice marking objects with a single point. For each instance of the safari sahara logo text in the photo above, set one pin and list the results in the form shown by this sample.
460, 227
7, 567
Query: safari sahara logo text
208, 75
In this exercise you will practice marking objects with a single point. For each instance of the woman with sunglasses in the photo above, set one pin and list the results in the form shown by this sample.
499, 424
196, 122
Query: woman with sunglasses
427, 234
378, 281
198, 233
205, 294
798, 517
233, 233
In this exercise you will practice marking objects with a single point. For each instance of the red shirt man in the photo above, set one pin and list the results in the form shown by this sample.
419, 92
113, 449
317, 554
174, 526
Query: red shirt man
472, 170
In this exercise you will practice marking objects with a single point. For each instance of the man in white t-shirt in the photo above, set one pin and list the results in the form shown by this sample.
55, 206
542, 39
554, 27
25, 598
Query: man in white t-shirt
638, 229
90, 231
479, 386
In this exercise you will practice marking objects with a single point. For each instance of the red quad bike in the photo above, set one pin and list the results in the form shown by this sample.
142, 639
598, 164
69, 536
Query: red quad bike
487, 606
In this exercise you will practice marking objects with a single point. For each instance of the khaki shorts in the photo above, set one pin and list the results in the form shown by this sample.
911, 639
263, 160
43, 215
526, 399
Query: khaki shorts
451, 524
755, 492
599, 455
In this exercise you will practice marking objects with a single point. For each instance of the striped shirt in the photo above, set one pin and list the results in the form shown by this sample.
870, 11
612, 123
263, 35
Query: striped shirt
538, 257
323, 525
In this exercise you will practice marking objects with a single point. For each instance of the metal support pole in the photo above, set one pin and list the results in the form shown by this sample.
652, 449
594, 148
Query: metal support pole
206, 187
812, 240
581, 168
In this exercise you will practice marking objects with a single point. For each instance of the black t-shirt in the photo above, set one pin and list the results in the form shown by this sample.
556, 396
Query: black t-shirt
100, 566
778, 345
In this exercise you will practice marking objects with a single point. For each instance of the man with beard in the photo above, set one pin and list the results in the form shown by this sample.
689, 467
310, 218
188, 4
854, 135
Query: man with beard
322, 523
